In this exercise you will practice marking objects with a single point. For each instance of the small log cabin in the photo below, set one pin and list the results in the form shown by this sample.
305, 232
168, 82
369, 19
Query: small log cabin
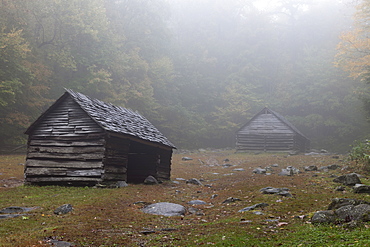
269, 131
84, 141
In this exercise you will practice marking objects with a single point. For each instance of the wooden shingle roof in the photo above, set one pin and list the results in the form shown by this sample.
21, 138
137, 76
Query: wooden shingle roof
280, 117
116, 119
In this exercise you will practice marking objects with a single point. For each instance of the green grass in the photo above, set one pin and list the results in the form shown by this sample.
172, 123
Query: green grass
110, 217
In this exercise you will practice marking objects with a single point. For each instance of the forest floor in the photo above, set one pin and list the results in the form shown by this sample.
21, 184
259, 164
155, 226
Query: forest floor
113, 217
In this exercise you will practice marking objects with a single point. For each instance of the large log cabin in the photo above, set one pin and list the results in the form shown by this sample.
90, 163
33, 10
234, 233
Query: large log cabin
83, 141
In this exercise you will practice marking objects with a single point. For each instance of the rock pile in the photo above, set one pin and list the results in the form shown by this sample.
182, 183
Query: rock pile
344, 211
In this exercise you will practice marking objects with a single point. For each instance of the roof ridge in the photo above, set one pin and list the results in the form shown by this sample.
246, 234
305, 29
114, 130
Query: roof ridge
119, 119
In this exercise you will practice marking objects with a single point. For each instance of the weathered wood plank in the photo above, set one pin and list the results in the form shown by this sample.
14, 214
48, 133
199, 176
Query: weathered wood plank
58, 143
63, 179
48, 171
45, 171
90, 156
63, 164
66, 150
85, 173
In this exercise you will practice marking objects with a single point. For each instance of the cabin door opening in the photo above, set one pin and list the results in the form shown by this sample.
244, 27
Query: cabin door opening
142, 162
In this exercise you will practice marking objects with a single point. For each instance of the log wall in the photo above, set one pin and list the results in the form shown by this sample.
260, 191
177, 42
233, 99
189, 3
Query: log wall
66, 147
116, 159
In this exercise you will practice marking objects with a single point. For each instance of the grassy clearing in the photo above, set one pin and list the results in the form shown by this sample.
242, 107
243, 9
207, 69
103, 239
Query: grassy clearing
110, 217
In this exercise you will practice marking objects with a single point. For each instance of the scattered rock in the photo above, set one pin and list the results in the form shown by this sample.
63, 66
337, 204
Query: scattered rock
333, 167
194, 181
344, 214
326, 216
186, 158
231, 199
197, 202
311, 153
274, 165
285, 193
58, 243
289, 171
259, 171
341, 202
361, 188
310, 168
15, 209
348, 179
239, 169
141, 202
7, 216
165, 209
214, 196
121, 184
272, 190
259, 205
278, 191
151, 180
340, 188
227, 165
291, 153
64, 209
258, 213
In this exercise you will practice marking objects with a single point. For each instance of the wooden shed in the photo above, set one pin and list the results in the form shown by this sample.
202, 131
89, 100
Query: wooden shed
80, 140
269, 131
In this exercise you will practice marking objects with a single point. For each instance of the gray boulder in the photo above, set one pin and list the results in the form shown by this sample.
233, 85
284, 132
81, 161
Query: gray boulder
341, 202
333, 167
231, 199
15, 209
186, 158
150, 180
310, 168
271, 190
194, 181
289, 171
361, 188
278, 191
239, 169
358, 213
197, 202
121, 184
343, 214
258, 205
64, 209
344, 210
165, 209
259, 171
348, 179
327, 216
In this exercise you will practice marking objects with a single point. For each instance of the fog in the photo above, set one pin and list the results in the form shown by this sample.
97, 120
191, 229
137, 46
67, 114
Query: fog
197, 69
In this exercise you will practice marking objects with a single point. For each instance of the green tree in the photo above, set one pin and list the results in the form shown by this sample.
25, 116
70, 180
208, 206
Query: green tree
354, 51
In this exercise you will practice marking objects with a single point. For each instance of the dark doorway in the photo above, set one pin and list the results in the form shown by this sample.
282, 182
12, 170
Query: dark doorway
142, 162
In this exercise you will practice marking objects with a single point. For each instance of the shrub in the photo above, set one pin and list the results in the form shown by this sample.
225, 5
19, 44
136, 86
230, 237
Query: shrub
360, 153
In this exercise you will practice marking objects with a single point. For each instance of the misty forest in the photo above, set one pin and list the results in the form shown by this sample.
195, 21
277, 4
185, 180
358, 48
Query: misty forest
197, 69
